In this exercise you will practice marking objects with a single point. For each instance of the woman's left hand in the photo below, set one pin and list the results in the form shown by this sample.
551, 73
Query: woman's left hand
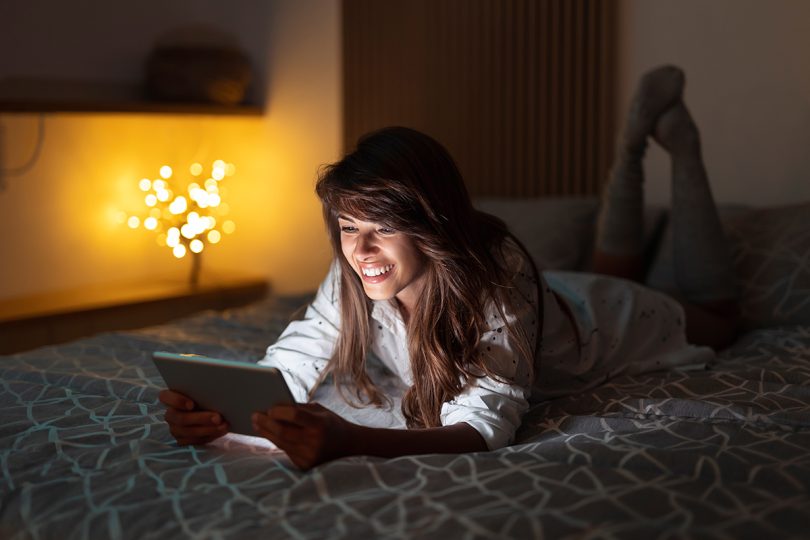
309, 433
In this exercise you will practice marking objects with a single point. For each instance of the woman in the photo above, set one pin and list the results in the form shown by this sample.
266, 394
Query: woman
448, 300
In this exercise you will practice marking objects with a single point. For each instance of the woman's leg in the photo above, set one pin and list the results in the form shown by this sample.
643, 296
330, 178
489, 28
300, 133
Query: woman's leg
618, 246
703, 267
702, 264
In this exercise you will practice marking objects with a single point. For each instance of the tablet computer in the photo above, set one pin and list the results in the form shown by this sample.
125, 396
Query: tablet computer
234, 389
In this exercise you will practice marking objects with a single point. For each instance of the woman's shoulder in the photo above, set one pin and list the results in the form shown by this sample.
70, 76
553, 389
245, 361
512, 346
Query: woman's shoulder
329, 289
520, 284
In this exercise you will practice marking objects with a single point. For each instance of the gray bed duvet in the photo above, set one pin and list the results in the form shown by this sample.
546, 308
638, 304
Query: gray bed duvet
719, 453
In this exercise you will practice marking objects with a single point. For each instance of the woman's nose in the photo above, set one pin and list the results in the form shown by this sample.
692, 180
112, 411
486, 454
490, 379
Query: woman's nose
366, 246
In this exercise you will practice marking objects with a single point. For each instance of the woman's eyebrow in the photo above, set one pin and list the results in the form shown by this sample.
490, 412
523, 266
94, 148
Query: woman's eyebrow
345, 217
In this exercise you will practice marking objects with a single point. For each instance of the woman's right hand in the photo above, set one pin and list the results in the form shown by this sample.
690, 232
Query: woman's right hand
190, 426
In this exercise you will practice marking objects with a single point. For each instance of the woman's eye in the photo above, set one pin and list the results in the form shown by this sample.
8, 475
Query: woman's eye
387, 230
348, 229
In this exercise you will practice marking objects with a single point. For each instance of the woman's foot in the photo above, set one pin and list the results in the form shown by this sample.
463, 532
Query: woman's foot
676, 132
658, 90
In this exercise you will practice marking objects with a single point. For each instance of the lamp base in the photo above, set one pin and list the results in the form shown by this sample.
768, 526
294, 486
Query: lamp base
196, 266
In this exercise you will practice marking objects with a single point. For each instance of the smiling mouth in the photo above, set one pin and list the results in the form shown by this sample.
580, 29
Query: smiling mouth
377, 271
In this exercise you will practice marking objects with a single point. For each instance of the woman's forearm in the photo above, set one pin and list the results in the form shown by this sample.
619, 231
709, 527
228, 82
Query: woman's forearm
381, 442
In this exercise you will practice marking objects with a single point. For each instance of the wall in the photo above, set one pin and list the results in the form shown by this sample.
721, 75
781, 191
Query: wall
748, 86
59, 218
519, 92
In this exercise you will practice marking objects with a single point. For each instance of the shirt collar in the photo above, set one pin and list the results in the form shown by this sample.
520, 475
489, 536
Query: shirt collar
387, 314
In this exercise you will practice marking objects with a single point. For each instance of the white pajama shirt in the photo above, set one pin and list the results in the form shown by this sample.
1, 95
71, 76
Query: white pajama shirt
594, 328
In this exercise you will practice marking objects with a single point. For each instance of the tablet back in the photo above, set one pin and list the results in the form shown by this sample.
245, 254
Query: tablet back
234, 389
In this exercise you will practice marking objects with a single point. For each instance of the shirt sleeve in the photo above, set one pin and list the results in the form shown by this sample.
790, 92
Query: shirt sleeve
305, 347
495, 406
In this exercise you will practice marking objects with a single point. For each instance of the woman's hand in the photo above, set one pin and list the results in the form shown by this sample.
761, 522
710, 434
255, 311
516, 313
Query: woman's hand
187, 425
309, 433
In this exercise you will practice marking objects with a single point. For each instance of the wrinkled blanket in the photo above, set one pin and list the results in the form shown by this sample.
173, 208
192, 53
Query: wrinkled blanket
725, 452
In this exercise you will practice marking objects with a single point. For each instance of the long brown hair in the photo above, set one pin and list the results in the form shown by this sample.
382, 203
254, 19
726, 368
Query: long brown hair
408, 181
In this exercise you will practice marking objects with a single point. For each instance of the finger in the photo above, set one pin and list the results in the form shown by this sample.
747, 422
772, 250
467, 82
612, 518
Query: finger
274, 430
289, 438
266, 423
196, 418
302, 460
176, 400
198, 432
302, 415
285, 412
307, 411
302, 456
291, 447
270, 436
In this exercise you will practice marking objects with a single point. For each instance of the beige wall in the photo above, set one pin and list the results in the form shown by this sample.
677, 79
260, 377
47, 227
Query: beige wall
748, 73
748, 86
58, 220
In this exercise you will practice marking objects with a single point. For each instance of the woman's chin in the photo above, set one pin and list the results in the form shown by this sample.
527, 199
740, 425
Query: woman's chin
376, 292
378, 295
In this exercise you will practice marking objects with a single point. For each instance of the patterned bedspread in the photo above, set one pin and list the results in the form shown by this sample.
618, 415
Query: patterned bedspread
721, 453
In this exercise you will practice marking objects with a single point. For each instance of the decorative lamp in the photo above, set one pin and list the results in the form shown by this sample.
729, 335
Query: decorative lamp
186, 219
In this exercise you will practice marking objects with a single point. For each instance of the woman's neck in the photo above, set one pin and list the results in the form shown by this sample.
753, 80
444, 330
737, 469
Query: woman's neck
404, 310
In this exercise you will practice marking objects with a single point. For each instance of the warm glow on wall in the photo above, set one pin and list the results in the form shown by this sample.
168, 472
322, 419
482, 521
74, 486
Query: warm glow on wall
186, 215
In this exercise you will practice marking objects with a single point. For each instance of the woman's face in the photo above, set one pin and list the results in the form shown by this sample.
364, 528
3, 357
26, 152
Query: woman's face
387, 261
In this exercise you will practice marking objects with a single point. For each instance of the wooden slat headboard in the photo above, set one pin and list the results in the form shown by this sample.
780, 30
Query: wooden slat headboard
518, 90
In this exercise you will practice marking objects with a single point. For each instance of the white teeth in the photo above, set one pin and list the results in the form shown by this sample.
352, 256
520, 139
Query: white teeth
372, 272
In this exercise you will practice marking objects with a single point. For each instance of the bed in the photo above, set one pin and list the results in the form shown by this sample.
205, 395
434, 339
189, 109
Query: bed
722, 452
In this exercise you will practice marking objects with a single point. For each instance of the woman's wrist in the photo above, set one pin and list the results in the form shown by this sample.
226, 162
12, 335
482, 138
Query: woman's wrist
356, 440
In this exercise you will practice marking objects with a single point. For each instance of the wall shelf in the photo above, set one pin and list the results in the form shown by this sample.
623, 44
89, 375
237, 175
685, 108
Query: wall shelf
43, 319
27, 96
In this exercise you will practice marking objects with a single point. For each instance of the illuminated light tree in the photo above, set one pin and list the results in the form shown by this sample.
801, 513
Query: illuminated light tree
186, 218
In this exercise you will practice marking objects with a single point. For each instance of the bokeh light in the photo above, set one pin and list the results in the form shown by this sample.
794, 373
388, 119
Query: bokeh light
187, 221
